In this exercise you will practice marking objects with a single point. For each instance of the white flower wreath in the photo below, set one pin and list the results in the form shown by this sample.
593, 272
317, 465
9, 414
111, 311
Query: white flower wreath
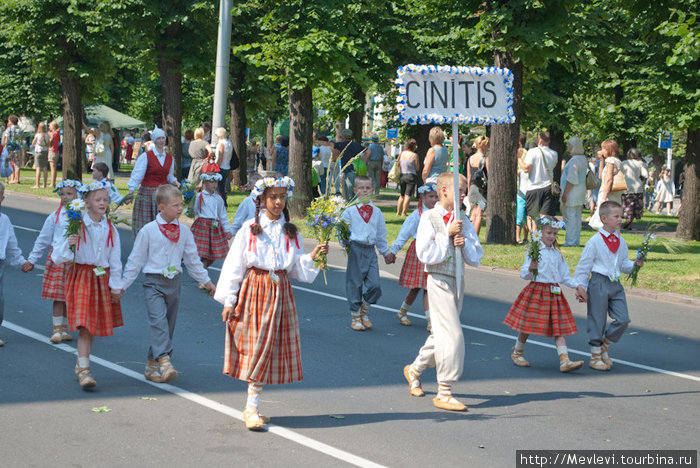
262, 184
68, 183
211, 176
97, 185
554, 224
427, 188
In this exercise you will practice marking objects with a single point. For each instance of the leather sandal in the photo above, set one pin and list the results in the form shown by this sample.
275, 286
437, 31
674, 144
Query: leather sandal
166, 369
356, 324
254, 421
152, 371
414, 384
565, 365
57, 335
518, 358
449, 403
597, 362
85, 378
403, 318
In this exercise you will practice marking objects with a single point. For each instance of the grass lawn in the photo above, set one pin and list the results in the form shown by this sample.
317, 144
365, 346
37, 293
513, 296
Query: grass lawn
664, 271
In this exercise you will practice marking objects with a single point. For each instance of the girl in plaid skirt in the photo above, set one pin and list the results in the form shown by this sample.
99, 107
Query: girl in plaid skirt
541, 308
262, 339
54, 274
211, 229
413, 275
94, 282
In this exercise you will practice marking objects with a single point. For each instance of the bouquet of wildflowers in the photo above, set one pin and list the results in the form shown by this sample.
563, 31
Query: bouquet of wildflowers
647, 239
74, 211
188, 194
533, 251
323, 216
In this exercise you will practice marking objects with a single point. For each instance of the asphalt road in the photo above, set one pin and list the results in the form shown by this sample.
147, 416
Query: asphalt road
353, 406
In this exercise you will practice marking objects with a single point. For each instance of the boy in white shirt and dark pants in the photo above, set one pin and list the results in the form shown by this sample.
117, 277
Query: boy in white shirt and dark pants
604, 258
159, 249
367, 231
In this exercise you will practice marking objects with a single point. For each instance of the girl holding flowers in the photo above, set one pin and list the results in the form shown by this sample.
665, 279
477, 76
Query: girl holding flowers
52, 232
262, 339
541, 308
93, 285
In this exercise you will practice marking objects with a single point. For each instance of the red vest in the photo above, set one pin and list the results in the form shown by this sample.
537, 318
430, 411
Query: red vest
155, 173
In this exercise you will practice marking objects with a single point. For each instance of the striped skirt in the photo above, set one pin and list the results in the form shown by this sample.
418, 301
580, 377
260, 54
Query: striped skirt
262, 341
412, 273
89, 301
538, 311
145, 208
52, 286
211, 241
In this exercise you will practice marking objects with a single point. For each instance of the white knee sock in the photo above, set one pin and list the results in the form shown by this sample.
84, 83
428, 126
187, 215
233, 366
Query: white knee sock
84, 362
405, 306
595, 349
57, 321
562, 350
254, 390
519, 345
444, 390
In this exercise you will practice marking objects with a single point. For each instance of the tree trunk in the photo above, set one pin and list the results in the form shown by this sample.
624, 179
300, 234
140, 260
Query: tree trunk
301, 131
626, 141
423, 145
357, 116
500, 214
270, 138
689, 217
171, 86
238, 123
71, 102
556, 142
339, 127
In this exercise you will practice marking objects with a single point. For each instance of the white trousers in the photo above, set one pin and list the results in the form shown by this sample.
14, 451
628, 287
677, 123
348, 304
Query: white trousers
572, 219
444, 348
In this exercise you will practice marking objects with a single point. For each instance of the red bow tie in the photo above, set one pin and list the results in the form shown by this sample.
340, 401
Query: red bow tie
447, 218
365, 211
170, 231
612, 241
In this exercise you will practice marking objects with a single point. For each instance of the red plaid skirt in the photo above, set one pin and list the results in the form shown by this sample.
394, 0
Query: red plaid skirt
412, 273
52, 286
145, 208
262, 342
89, 301
211, 242
539, 312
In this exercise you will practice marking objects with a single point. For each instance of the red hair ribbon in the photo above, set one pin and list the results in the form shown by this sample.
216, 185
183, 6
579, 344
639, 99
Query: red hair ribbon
58, 212
110, 237
296, 240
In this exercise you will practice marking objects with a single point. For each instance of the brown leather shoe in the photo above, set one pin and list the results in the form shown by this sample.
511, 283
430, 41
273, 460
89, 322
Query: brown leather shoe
57, 335
403, 317
565, 365
152, 371
166, 369
414, 385
597, 363
518, 358
85, 378
254, 421
604, 355
449, 403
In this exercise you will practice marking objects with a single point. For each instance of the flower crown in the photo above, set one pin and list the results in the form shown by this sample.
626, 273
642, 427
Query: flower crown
554, 224
68, 183
426, 188
210, 176
97, 185
267, 182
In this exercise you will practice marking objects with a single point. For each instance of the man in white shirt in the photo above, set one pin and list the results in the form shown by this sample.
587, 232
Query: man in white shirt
573, 196
538, 164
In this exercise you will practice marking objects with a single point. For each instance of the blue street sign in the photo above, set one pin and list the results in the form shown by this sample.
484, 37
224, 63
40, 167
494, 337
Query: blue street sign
392, 132
665, 140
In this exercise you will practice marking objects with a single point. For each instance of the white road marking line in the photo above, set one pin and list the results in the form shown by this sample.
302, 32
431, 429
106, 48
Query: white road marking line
505, 335
25, 228
203, 401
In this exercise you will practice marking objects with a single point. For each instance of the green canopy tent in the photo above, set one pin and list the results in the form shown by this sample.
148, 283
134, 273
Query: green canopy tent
98, 113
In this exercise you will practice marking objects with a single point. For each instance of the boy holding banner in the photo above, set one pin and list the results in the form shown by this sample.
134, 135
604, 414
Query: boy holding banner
438, 237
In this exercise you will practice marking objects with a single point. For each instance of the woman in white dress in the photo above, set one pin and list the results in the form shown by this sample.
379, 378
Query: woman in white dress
664, 192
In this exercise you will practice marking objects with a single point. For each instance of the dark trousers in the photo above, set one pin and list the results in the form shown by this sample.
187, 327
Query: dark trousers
362, 274
605, 298
162, 298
